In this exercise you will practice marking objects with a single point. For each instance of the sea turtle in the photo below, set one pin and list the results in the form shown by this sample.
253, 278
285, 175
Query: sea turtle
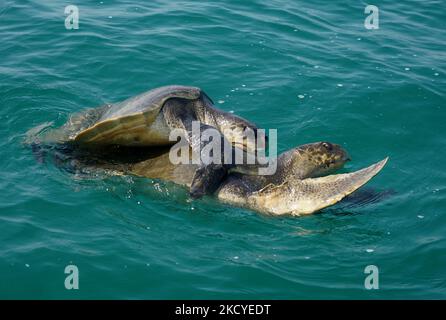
148, 119
299, 186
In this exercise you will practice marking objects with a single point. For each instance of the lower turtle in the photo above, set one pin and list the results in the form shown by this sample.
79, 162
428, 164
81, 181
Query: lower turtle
300, 185
303, 182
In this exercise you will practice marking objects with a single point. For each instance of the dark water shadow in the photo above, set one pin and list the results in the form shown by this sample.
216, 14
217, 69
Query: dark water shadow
359, 199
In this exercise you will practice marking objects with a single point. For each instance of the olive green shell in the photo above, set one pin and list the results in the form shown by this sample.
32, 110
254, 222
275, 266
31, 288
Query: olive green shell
129, 122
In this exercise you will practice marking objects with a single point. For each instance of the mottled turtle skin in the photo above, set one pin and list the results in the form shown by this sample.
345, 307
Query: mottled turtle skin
147, 120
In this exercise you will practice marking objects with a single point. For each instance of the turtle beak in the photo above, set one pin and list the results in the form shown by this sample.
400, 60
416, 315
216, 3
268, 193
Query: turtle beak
346, 157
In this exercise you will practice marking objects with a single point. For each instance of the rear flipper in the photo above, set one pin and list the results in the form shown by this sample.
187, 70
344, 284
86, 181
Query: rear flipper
38, 151
33, 140
44, 147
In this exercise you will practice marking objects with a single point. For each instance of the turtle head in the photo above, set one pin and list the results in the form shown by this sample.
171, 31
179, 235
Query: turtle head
314, 159
240, 132
323, 157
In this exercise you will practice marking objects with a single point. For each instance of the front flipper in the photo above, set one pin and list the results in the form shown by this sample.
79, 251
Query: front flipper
180, 114
207, 179
210, 174
300, 197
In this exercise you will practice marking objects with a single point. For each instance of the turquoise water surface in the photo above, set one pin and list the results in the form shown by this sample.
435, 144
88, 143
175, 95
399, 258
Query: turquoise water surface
310, 69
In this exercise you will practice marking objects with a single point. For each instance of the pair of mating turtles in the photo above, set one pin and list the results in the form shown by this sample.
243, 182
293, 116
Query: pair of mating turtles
130, 137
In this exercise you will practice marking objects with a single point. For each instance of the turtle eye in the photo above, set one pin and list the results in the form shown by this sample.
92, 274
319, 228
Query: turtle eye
327, 146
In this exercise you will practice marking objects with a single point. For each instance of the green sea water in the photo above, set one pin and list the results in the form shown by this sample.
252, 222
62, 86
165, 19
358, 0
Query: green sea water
309, 69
